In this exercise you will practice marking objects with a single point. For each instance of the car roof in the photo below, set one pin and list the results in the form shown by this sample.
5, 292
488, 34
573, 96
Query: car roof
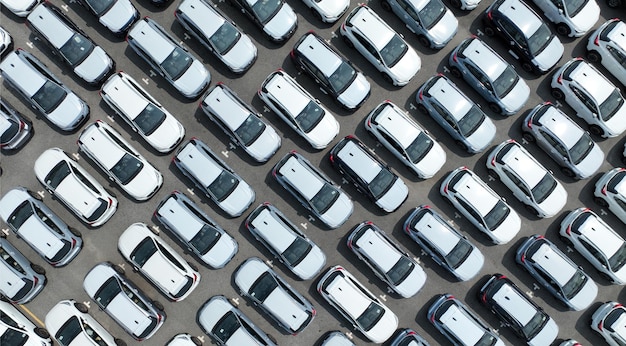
360, 161
319, 54
432, 228
305, 181
287, 94
604, 238
378, 249
514, 304
125, 94
450, 97
559, 268
154, 43
205, 18
177, 215
398, 125
22, 73
618, 35
561, 126
520, 161
461, 325
343, 291
227, 108
199, 163
102, 147
484, 58
475, 193
592, 81
273, 231
521, 15
50, 25
370, 25
10, 283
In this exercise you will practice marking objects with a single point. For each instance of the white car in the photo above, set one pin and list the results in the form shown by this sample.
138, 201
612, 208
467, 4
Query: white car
572, 17
184, 339
65, 179
241, 123
406, 140
364, 30
116, 15
299, 109
16, 329
481, 205
597, 242
158, 262
20, 8
607, 45
387, 260
275, 18
70, 325
530, 182
608, 320
142, 112
328, 11
610, 191
120, 161
6, 42
592, 96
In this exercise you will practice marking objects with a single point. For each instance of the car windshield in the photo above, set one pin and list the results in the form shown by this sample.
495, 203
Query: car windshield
581, 149
538, 41
149, 119
223, 186
176, 63
394, 50
250, 129
57, 174
496, 216
310, 116
544, 188
487, 340
22, 213
471, 121
459, 253
431, 13
611, 105
101, 6
534, 326
370, 316
204, 240
127, 168
99, 211
575, 284
400, 270
142, 253
76, 49
263, 286
13, 337
325, 198
572, 7
342, 77
107, 292
419, 147
617, 261
383, 181
226, 326
49, 96
10, 131
297, 251
224, 38
93, 334
68, 331
505, 82
266, 9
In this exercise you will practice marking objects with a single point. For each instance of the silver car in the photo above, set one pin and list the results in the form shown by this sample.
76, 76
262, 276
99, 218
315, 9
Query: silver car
328, 11
15, 128
275, 18
386, 259
20, 8
563, 140
168, 58
285, 241
272, 294
20, 279
241, 123
572, 17
608, 321
40, 227
610, 191
123, 301
17, 329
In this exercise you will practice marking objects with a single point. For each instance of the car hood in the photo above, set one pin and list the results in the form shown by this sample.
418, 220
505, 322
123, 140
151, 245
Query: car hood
516, 98
412, 283
118, 16
242, 54
144, 183
617, 123
282, 23
168, 134
508, 229
193, 81
471, 266
445, 29
94, 66
324, 132
550, 55
547, 335
591, 163
221, 252
482, 137
239, 200
339, 212
384, 328
408, 66
585, 296
587, 17
358, 91
68, 113
555, 201
311, 264
265, 146
432, 162
333, 8
18, 5
394, 197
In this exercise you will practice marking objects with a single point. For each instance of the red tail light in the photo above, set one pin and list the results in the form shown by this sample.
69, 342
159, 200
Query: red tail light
110, 202
454, 57
331, 157
489, 15
523, 258
560, 79
596, 41
603, 190
421, 95
529, 124
493, 161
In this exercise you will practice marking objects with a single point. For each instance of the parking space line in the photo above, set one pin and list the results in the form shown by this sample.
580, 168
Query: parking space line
32, 315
